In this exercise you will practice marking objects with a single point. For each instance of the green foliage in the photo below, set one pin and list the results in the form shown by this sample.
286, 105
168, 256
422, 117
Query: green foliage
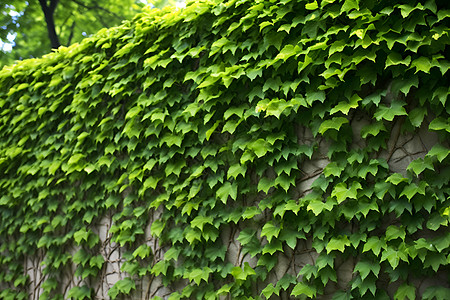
212, 116
74, 20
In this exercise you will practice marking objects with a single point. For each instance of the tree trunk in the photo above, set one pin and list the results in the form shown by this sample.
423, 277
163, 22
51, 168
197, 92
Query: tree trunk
48, 14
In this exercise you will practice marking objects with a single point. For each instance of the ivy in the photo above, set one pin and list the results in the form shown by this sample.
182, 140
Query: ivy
241, 149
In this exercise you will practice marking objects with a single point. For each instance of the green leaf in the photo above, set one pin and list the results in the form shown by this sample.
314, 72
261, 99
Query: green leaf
265, 184
435, 260
397, 59
97, 261
345, 106
197, 275
123, 286
260, 147
393, 232
404, 292
439, 124
81, 235
236, 170
246, 235
396, 178
335, 123
337, 243
142, 251
312, 5
269, 290
200, 221
160, 268
436, 292
133, 112
410, 190
417, 115
157, 227
78, 292
388, 113
422, 64
288, 51
228, 189
303, 289
250, 212
270, 231
393, 256
317, 206
273, 247
341, 192
333, 169
365, 267
438, 151
372, 129
242, 274
374, 244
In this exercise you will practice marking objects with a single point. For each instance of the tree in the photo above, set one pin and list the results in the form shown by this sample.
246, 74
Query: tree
41, 25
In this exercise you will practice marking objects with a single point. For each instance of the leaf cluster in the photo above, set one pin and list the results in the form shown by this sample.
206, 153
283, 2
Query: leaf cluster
210, 118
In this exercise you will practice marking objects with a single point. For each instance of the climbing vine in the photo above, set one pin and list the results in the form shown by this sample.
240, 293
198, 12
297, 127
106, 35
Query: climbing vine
248, 149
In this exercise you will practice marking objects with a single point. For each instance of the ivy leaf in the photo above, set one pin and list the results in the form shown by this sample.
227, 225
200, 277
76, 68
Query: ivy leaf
372, 129
374, 244
312, 5
317, 206
240, 274
404, 292
246, 235
81, 235
365, 267
273, 247
393, 232
341, 192
123, 286
438, 151
410, 190
200, 221
393, 256
265, 184
227, 189
134, 111
335, 123
236, 170
97, 261
288, 51
270, 231
197, 275
396, 178
396, 59
250, 212
214, 252
388, 113
337, 243
421, 64
435, 260
260, 147
417, 115
303, 289
345, 106
439, 124
269, 290
157, 227
333, 169
77, 292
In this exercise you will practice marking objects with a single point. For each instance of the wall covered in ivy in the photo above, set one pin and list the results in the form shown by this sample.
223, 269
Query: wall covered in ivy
237, 150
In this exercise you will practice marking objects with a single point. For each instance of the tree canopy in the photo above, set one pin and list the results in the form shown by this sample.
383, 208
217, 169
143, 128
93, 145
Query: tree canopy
39, 26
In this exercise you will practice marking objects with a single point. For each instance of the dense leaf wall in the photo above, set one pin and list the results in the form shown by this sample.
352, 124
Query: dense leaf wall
243, 150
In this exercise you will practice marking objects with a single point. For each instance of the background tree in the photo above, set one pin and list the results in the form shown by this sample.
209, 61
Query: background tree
37, 26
